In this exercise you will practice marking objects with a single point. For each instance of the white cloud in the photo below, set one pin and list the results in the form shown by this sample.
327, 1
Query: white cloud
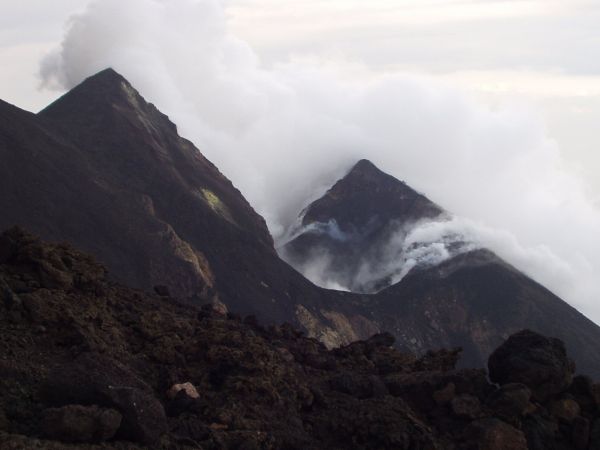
285, 133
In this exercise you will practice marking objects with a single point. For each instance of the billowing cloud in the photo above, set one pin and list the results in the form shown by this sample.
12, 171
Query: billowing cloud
283, 134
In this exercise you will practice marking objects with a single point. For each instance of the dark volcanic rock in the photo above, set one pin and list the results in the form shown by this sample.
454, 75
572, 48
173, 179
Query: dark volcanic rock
88, 380
94, 379
493, 434
466, 405
581, 433
76, 423
144, 418
510, 401
253, 386
542, 433
539, 362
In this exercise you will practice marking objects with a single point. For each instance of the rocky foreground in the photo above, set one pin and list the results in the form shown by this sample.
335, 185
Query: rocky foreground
86, 363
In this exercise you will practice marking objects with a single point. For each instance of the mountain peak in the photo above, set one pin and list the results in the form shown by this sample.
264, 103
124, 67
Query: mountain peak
364, 192
108, 75
364, 165
97, 95
365, 171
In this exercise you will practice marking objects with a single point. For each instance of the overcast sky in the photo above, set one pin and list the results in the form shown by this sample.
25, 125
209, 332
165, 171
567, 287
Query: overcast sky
488, 106
540, 52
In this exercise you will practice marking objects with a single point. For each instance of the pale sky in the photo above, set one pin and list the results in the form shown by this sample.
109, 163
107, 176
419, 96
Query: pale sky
540, 53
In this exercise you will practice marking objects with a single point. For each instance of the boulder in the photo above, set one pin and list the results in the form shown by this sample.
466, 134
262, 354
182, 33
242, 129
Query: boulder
467, 406
581, 433
182, 403
510, 401
77, 423
144, 418
542, 432
565, 409
539, 362
582, 391
86, 381
97, 379
187, 387
494, 434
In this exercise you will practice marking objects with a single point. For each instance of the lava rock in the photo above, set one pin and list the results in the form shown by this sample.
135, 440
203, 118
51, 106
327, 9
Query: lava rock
541, 432
87, 381
182, 403
565, 409
581, 433
493, 434
358, 386
445, 395
144, 418
466, 405
77, 423
510, 401
188, 388
537, 361
162, 290
582, 390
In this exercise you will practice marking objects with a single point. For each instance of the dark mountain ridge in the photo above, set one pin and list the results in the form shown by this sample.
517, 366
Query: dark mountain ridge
104, 169
468, 297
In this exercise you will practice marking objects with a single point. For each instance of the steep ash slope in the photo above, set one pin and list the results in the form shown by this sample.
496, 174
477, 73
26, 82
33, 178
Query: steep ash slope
106, 170
476, 300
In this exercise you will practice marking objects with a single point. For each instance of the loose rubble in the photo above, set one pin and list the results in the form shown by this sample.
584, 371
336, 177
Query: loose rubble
85, 363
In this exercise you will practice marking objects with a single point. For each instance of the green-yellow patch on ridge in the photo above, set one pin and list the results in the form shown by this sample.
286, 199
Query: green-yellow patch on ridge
216, 204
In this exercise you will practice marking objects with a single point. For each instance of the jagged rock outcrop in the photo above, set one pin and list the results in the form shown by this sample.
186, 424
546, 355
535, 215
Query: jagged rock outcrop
83, 360
540, 363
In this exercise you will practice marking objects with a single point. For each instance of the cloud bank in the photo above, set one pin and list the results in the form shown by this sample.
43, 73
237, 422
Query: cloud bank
284, 134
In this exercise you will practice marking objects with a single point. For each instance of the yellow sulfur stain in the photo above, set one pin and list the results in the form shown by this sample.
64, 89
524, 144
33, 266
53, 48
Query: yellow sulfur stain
216, 204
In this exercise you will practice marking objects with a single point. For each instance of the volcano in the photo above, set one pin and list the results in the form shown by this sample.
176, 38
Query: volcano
360, 236
105, 170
